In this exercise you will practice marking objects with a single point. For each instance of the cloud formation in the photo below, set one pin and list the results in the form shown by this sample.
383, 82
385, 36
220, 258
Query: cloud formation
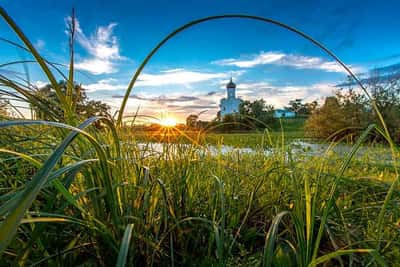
282, 59
178, 76
109, 84
39, 44
279, 96
180, 105
261, 59
161, 99
163, 78
39, 84
102, 46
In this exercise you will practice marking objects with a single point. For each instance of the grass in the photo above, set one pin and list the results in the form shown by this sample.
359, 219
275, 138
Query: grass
292, 127
251, 140
72, 194
238, 140
170, 204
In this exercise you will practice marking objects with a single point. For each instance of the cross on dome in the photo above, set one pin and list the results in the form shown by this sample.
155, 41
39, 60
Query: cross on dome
231, 84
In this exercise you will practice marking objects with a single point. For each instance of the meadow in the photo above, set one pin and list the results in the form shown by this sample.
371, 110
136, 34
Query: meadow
290, 129
73, 194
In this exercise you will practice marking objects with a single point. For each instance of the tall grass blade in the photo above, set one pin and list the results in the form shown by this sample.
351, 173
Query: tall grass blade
270, 239
124, 248
70, 83
333, 190
339, 253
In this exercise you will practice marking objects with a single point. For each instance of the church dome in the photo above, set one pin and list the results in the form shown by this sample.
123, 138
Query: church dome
231, 84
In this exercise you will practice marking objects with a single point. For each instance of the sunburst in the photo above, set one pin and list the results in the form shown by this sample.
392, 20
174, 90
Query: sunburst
168, 122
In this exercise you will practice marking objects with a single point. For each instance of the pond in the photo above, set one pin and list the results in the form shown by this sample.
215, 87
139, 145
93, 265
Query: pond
297, 147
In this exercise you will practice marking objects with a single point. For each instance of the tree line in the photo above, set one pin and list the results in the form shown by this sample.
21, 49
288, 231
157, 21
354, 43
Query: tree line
45, 98
258, 115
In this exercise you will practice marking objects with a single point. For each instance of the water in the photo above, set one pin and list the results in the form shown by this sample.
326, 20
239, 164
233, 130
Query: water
376, 152
297, 147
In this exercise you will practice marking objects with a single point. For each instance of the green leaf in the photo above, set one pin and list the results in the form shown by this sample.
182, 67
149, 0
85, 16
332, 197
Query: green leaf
271, 238
339, 253
124, 248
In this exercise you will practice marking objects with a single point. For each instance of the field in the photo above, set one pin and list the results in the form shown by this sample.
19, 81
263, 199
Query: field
289, 129
76, 194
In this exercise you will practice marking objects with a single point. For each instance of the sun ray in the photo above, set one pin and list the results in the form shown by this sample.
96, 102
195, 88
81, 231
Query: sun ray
168, 122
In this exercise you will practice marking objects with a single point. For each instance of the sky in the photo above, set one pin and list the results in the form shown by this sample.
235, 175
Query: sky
188, 74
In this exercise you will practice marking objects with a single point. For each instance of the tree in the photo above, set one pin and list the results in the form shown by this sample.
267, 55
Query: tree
326, 120
385, 90
295, 105
191, 121
257, 113
47, 106
302, 109
310, 107
355, 106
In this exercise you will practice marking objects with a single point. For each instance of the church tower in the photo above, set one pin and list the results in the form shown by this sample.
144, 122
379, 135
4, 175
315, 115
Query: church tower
231, 89
230, 104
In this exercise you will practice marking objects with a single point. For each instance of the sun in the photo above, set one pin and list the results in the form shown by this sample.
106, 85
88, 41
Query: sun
168, 122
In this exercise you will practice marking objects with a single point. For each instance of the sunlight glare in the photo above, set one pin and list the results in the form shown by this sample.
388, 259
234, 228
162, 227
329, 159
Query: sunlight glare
168, 122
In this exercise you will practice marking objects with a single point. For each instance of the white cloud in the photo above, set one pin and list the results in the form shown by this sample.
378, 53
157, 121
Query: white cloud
256, 85
39, 84
96, 66
282, 59
261, 59
279, 96
102, 46
104, 85
39, 44
178, 76
172, 70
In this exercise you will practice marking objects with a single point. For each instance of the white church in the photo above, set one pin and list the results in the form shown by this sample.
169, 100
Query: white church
230, 104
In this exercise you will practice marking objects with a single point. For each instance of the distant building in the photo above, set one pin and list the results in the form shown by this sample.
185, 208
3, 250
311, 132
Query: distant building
284, 113
230, 104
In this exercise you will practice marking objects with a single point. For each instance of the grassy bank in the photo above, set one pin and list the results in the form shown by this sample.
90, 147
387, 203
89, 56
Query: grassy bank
244, 139
288, 128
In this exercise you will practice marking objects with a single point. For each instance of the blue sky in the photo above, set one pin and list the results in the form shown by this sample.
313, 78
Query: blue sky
188, 74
